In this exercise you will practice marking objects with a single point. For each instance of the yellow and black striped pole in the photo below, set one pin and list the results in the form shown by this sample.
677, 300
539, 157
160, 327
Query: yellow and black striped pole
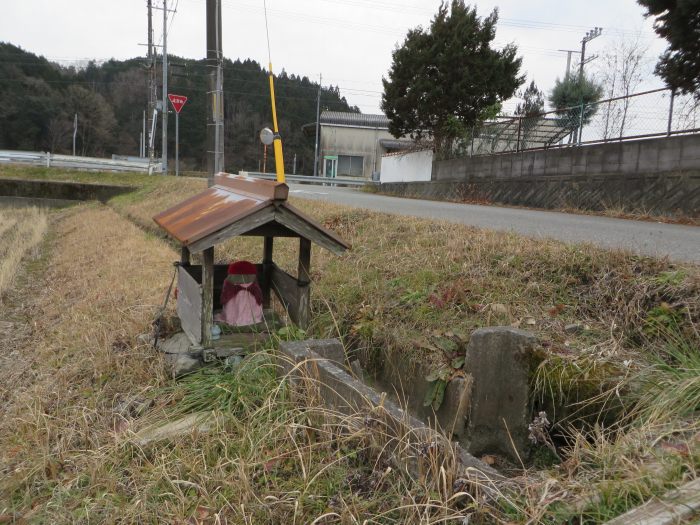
279, 156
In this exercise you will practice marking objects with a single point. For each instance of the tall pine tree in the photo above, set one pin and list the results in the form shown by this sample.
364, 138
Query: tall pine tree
678, 21
445, 79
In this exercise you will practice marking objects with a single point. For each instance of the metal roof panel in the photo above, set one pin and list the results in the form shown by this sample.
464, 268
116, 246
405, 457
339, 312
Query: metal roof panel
211, 216
362, 120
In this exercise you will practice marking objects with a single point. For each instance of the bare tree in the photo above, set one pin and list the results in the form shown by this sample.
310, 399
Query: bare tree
58, 132
623, 67
686, 113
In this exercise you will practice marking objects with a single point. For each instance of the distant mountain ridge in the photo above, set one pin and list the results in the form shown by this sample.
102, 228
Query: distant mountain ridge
39, 99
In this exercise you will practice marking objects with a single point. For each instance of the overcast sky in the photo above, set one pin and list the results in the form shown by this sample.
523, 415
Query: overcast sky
348, 41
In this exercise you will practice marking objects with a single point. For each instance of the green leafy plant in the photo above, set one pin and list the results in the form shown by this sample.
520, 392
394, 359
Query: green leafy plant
661, 318
453, 349
291, 333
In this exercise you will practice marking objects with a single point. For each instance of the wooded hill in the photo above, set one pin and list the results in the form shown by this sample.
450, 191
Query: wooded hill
40, 99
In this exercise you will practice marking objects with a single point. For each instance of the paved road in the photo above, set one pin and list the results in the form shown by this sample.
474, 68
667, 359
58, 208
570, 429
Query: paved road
678, 242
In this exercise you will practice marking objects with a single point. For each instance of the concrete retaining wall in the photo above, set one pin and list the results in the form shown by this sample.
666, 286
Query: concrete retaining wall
651, 156
673, 194
656, 176
486, 406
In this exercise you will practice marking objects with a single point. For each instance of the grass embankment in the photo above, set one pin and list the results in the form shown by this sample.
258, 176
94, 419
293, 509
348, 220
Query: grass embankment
635, 351
77, 380
21, 231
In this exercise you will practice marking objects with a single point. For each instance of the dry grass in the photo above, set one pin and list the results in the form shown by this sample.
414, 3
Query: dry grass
73, 372
68, 456
21, 231
71, 353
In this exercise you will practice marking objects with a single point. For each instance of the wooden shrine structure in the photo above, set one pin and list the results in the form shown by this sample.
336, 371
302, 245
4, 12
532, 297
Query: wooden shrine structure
239, 205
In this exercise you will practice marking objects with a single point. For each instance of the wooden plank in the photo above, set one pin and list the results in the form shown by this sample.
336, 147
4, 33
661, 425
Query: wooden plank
286, 289
246, 340
258, 218
303, 281
305, 229
189, 304
184, 256
207, 295
271, 229
674, 507
259, 188
267, 270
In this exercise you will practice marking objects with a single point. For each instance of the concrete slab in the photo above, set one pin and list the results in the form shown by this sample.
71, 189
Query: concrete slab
500, 361
396, 431
677, 506
197, 422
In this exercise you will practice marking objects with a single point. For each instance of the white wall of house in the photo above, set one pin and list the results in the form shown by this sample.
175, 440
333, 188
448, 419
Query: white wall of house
362, 144
415, 166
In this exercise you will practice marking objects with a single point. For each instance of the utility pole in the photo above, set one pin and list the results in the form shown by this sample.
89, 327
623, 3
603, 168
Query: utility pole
568, 52
318, 124
151, 87
143, 136
592, 34
164, 105
75, 131
215, 119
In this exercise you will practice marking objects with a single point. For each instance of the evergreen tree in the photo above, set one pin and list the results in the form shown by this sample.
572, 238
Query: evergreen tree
446, 79
574, 98
678, 21
533, 101
530, 109
40, 99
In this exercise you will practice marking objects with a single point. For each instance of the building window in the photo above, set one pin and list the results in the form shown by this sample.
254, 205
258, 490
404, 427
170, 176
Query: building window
350, 165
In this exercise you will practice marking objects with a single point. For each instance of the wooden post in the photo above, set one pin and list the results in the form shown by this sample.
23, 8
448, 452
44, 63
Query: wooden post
303, 280
184, 255
207, 295
267, 271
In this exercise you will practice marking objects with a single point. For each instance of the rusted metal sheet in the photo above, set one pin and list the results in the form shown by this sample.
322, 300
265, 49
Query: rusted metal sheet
232, 198
236, 205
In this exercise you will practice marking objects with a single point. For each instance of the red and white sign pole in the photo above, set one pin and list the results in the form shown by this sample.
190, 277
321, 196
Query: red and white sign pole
178, 101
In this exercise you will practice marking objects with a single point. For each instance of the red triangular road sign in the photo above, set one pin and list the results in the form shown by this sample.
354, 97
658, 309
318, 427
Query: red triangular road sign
177, 101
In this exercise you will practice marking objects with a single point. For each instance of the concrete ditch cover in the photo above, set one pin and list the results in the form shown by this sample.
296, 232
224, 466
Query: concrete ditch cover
196, 422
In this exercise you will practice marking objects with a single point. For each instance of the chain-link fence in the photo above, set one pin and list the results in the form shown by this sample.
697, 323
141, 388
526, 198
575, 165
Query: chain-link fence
656, 113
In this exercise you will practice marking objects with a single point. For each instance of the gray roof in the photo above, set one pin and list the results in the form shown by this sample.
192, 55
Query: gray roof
397, 144
359, 120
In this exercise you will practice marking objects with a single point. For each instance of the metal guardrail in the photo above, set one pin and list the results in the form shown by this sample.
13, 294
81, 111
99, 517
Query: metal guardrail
49, 160
307, 179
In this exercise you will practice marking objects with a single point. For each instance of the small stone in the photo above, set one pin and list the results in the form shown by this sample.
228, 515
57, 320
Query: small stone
573, 328
177, 344
182, 364
144, 339
233, 361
